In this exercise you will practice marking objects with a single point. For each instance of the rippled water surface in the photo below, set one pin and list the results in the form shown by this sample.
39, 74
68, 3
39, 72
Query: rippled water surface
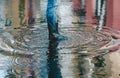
26, 52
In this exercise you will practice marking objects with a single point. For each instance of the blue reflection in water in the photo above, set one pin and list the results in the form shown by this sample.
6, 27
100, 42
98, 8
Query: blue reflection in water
51, 13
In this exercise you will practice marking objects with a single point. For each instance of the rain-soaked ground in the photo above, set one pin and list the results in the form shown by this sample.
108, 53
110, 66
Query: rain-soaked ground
26, 52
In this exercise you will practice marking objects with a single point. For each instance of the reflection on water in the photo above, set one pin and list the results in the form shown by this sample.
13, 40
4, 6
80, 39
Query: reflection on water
100, 70
2, 16
26, 52
53, 60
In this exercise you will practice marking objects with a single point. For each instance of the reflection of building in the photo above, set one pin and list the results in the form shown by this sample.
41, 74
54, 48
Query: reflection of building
93, 11
15, 12
2, 16
19, 11
22, 11
76, 4
112, 12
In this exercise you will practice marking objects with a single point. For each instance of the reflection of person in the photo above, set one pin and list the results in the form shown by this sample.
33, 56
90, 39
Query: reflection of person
51, 15
53, 60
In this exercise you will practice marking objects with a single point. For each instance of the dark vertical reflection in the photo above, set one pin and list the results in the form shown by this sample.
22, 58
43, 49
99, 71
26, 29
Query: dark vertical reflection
82, 67
53, 61
100, 70
31, 18
26, 12
79, 11
21, 11
7, 13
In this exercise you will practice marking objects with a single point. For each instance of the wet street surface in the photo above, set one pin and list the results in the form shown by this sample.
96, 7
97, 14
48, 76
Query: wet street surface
26, 52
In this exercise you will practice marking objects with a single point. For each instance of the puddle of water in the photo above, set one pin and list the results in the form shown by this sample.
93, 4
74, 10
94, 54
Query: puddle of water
26, 52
